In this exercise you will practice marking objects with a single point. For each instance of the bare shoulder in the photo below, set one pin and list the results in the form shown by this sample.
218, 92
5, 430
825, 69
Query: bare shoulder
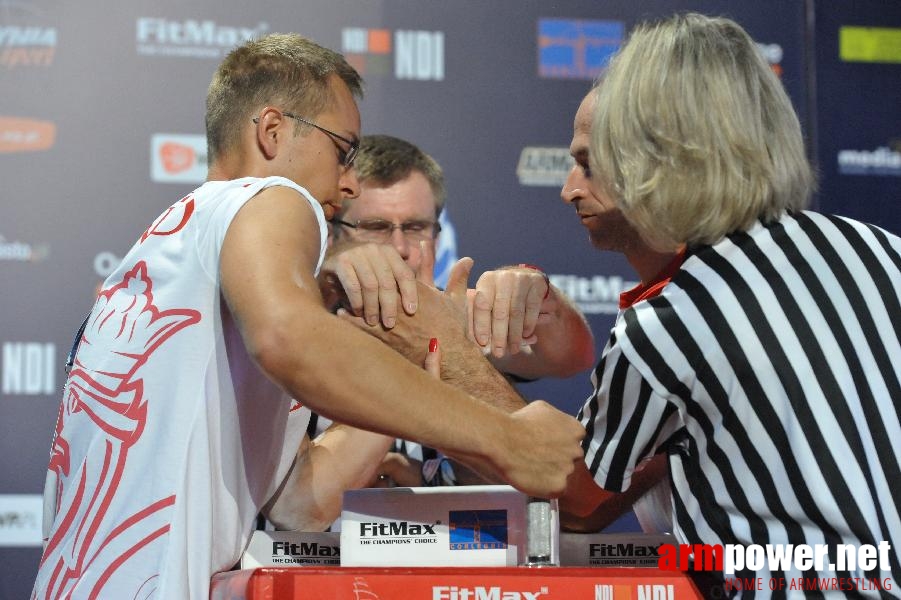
272, 245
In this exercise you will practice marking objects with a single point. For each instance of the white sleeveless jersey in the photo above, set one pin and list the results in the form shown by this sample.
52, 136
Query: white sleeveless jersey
169, 439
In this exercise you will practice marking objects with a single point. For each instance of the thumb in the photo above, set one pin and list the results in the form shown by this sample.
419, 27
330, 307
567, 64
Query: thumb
432, 362
458, 279
426, 271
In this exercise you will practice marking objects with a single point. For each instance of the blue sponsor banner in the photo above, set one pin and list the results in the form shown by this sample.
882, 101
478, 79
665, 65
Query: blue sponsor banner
478, 529
576, 48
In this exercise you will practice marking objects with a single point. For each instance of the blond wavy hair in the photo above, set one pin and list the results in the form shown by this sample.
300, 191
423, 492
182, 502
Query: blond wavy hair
694, 135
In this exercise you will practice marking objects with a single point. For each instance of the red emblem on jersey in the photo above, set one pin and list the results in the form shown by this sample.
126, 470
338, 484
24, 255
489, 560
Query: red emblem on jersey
106, 387
172, 220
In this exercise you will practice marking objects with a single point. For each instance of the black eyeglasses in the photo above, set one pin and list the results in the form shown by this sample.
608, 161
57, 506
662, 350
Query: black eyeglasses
380, 230
346, 157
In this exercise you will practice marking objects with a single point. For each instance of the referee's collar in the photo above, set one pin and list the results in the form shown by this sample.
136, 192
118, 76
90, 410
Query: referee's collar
644, 291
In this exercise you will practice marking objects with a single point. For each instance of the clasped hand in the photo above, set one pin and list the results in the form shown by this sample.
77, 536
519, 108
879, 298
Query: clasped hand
500, 314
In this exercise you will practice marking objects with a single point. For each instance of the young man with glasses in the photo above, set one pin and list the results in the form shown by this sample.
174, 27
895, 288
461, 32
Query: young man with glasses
176, 426
402, 195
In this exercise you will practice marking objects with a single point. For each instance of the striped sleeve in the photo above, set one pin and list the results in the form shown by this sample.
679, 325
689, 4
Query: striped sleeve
628, 425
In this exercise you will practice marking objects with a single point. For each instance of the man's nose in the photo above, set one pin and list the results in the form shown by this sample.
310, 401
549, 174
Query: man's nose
350, 185
400, 242
572, 188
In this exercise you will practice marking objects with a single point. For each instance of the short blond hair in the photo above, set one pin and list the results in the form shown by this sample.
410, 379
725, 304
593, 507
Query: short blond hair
283, 69
385, 160
694, 135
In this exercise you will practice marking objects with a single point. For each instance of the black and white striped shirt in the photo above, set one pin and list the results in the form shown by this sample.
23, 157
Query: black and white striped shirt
770, 371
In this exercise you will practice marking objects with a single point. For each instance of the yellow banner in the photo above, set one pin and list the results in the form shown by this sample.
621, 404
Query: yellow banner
869, 44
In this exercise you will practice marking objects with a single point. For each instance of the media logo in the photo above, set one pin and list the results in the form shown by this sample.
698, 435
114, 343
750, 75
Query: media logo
576, 48
22, 252
417, 55
478, 529
26, 135
28, 368
176, 158
20, 520
24, 42
881, 161
190, 38
597, 295
542, 166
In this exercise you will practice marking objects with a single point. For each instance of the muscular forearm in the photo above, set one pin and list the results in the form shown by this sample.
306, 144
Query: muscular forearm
340, 459
586, 507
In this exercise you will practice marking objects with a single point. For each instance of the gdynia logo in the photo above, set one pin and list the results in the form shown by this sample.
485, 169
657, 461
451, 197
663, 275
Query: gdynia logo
397, 532
27, 46
730, 558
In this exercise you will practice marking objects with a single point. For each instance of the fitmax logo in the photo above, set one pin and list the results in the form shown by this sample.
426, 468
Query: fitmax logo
304, 549
198, 39
396, 529
452, 592
617, 550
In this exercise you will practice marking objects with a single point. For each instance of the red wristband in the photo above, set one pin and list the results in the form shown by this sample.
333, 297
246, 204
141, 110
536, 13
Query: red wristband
547, 279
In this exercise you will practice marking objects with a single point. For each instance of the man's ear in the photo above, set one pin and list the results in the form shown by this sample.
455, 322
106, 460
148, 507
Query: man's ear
269, 132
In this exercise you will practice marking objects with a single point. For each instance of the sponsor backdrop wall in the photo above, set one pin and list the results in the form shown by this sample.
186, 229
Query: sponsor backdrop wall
101, 128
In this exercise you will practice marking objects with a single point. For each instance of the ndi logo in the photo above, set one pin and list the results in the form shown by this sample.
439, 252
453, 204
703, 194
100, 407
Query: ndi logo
478, 529
418, 55
28, 368
576, 48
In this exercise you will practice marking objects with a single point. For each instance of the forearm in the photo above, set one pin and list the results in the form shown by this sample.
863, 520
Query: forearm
466, 368
586, 507
378, 388
340, 459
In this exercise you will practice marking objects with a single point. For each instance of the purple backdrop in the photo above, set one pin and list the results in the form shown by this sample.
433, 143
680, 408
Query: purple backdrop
101, 127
